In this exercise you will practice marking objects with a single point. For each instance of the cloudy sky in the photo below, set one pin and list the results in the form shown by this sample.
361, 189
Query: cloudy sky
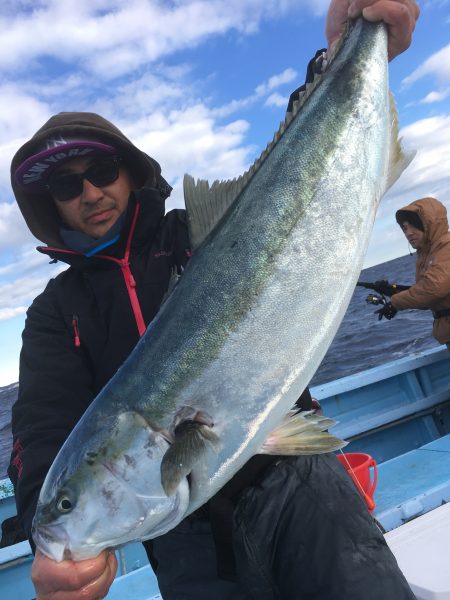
199, 84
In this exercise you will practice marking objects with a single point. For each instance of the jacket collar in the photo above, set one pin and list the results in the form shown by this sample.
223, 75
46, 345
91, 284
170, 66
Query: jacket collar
144, 213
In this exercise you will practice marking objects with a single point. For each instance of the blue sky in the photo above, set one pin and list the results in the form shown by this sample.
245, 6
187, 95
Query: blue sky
199, 85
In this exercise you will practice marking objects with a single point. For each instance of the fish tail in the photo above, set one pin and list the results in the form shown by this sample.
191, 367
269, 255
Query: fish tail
399, 158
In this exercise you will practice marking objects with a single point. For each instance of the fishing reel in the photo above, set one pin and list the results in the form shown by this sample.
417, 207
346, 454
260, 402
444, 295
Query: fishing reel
376, 299
387, 310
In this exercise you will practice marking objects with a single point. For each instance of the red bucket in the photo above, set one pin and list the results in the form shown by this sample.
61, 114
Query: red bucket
358, 466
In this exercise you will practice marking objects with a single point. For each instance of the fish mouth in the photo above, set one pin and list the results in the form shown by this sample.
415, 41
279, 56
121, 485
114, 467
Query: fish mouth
56, 546
52, 540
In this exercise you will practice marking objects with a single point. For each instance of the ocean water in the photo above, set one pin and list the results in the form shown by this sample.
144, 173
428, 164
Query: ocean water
361, 342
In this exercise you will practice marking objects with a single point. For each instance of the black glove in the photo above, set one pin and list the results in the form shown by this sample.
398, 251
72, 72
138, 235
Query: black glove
382, 286
389, 289
388, 311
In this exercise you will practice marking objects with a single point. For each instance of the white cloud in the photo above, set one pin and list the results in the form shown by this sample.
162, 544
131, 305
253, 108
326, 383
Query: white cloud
148, 95
20, 115
26, 262
13, 230
432, 163
276, 99
431, 4
436, 96
427, 175
9, 373
275, 81
287, 76
10, 313
437, 66
22, 279
190, 140
14, 105
110, 38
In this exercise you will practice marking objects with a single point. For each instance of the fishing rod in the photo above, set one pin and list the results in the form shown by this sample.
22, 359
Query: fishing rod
383, 289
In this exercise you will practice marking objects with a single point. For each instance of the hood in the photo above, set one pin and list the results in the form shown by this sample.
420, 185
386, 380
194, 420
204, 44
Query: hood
433, 216
38, 208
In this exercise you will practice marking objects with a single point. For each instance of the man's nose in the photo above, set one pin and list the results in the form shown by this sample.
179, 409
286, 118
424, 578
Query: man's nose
91, 193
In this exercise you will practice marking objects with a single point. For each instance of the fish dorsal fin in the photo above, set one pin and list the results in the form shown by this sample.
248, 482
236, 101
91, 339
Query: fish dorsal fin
399, 158
206, 204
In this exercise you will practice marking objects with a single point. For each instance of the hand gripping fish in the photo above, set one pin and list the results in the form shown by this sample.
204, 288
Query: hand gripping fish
277, 254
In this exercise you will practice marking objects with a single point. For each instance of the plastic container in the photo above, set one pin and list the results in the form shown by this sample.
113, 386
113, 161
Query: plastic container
359, 467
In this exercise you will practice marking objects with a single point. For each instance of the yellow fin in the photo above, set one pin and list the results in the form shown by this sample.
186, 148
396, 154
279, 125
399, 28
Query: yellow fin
302, 433
399, 158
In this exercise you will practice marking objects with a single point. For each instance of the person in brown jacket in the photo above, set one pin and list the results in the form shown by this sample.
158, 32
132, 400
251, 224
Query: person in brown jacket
425, 225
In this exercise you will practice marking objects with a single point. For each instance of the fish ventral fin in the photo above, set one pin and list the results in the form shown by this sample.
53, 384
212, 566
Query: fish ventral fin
302, 433
191, 441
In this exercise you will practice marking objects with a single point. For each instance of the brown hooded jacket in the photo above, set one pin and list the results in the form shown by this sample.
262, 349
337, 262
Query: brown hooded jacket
432, 287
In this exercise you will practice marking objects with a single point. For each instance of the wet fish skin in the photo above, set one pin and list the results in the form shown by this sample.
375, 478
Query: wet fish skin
245, 328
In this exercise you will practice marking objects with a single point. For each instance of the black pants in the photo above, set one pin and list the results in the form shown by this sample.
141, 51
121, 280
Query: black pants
302, 533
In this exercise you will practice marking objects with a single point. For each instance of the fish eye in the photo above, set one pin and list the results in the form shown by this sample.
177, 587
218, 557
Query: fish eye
64, 504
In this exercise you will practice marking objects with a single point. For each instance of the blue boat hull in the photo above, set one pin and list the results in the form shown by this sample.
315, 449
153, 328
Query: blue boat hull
399, 413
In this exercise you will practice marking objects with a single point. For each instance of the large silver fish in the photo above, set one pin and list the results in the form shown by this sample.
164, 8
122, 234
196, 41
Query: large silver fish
277, 255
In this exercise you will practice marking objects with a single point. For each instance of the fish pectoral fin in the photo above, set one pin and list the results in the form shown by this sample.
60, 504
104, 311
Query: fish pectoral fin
192, 440
302, 433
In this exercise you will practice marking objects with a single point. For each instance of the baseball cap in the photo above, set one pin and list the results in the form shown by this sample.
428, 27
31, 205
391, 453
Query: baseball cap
34, 171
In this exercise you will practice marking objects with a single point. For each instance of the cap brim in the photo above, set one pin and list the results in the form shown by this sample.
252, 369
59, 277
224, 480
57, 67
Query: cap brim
33, 173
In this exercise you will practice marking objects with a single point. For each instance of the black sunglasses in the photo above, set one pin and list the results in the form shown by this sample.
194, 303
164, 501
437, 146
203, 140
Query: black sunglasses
67, 186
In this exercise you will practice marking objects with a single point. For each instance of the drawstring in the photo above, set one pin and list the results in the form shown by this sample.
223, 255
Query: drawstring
75, 331
128, 277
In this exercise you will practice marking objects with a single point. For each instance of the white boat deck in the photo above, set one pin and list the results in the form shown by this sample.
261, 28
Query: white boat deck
422, 550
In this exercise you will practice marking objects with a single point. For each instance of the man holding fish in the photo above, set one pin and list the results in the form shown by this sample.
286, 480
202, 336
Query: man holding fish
97, 200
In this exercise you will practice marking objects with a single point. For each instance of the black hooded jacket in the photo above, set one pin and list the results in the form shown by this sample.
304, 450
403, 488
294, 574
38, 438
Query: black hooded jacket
88, 319
80, 330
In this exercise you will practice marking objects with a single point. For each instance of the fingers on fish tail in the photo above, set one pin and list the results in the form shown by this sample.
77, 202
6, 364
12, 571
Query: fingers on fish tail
302, 433
191, 441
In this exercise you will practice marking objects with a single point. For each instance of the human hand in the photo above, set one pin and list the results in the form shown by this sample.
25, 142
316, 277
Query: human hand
69, 580
388, 311
399, 15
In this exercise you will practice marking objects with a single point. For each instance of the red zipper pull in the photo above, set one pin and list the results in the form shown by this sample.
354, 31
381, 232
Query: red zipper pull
75, 331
